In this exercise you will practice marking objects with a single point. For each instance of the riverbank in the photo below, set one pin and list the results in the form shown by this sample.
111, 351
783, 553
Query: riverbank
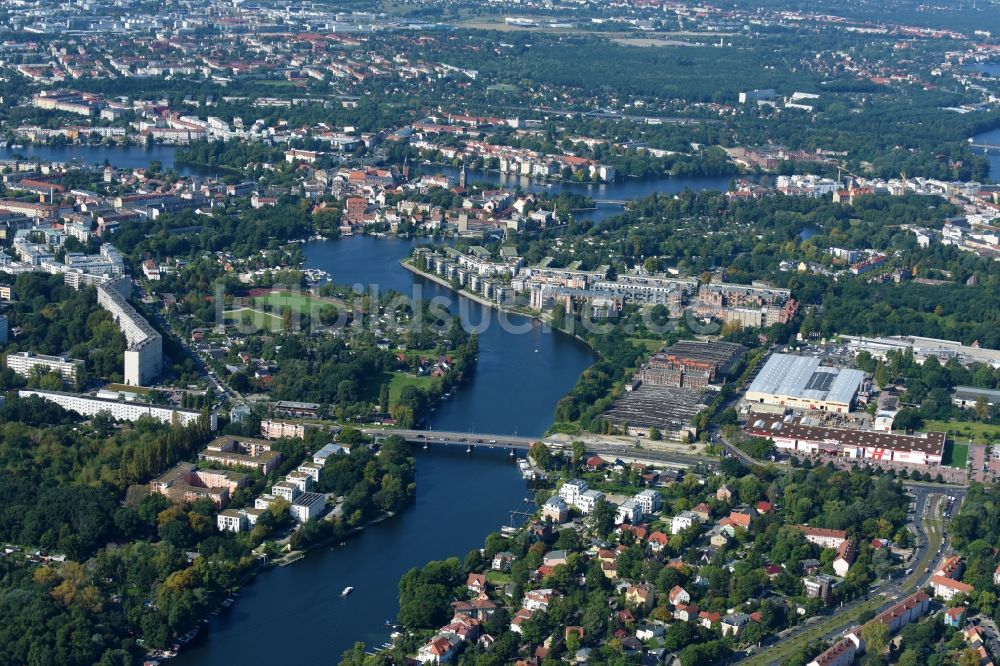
305, 599
440, 281
207, 166
541, 317
293, 556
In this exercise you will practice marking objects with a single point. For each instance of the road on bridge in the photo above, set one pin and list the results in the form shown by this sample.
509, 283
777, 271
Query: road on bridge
474, 440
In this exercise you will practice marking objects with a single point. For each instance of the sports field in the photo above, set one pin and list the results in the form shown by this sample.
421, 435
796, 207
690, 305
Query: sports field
298, 301
257, 318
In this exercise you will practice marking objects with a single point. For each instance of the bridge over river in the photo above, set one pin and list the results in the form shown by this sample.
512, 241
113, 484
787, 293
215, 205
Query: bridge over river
987, 147
472, 441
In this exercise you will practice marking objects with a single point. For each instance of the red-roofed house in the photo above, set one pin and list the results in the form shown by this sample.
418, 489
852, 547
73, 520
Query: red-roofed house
702, 511
709, 620
823, 537
739, 519
476, 583
846, 552
678, 595
954, 617
640, 596
947, 588
439, 649
686, 612
658, 541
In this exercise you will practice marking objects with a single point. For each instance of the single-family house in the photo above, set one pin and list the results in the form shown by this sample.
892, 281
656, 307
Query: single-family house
678, 595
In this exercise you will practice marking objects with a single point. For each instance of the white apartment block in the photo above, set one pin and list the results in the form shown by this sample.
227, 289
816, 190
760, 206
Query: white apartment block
237, 520
230, 520
285, 490
683, 521
588, 501
311, 469
628, 512
649, 501
24, 364
121, 411
307, 506
144, 349
571, 490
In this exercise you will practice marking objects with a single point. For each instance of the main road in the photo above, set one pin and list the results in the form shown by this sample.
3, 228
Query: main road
931, 547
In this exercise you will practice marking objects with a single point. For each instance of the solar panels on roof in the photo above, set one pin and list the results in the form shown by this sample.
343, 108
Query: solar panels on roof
820, 381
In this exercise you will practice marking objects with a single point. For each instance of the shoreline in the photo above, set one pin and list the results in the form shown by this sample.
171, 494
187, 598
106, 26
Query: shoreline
541, 319
440, 281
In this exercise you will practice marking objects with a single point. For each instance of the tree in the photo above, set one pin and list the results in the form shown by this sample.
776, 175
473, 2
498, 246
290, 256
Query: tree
603, 517
982, 408
541, 455
876, 635
969, 657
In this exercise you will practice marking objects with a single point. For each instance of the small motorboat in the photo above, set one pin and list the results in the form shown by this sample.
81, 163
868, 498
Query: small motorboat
347, 591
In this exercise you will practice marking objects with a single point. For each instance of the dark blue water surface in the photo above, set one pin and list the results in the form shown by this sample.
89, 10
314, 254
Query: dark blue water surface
120, 157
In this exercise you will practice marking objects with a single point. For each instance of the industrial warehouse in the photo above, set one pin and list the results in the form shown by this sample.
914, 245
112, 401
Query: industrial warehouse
804, 434
672, 387
800, 382
691, 364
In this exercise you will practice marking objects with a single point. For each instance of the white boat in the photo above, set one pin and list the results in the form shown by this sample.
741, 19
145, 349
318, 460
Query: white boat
347, 590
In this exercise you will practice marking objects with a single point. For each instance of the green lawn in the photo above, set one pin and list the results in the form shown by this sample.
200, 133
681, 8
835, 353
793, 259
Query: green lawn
498, 578
258, 318
962, 430
650, 345
401, 380
956, 454
297, 301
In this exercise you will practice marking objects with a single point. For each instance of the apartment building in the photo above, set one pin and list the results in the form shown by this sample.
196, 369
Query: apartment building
85, 405
244, 452
24, 364
144, 349
275, 429
186, 483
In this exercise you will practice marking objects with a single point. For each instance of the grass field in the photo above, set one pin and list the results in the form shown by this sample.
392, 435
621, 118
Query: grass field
956, 454
298, 302
497, 578
400, 381
258, 318
962, 430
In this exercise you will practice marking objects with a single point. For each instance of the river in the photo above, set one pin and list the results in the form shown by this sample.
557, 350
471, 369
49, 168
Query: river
992, 138
524, 368
121, 157
620, 190
295, 613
